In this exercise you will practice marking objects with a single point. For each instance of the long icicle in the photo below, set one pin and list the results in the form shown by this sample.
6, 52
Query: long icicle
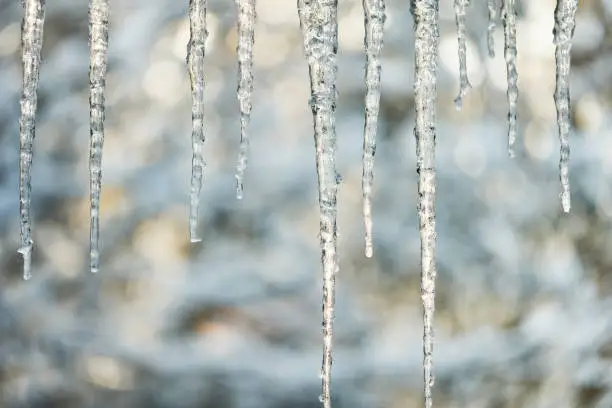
98, 57
492, 8
426, 26
195, 61
374, 20
464, 83
509, 19
31, 44
319, 26
246, 40
565, 22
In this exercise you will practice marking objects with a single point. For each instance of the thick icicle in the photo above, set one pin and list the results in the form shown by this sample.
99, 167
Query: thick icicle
464, 83
492, 6
509, 19
426, 26
374, 19
195, 61
31, 44
98, 57
565, 22
319, 25
246, 39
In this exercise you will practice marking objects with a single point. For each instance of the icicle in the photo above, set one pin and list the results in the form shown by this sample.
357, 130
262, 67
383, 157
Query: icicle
426, 26
98, 43
464, 83
565, 22
31, 44
246, 39
374, 19
492, 6
319, 25
195, 62
509, 19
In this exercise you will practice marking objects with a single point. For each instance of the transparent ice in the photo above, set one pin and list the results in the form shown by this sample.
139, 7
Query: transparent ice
461, 7
98, 57
374, 19
509, 20
426, 26
195, 61
31, 44
246, 39
565, 22
319, 26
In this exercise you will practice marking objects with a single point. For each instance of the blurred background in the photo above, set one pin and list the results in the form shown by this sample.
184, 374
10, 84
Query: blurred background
524, 292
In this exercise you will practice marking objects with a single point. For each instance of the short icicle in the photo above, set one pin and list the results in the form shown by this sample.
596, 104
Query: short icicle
509, 20
246, 40
426, 26
374, 19
565, 22
492, 8
461, 7
319, 26
31, 44
195, 61
98, 57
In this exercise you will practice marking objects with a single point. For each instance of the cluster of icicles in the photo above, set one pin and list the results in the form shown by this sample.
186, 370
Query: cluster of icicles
319, 26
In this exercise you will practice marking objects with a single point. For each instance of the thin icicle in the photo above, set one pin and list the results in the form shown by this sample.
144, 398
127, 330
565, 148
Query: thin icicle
426, 26
509, 19
464, 83
319, 25
246, 39
565, 22
31, 44
374, 19
195, 61
98, 57
492, 6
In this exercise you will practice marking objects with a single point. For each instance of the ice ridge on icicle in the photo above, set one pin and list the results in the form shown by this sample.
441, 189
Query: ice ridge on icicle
319, 26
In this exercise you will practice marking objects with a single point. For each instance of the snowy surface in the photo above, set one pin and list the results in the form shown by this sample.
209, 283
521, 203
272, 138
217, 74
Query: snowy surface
524, 291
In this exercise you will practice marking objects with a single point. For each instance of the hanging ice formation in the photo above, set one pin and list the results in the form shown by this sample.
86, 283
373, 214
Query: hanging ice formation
509, 19
492, 7
464, 84
246, 39
195, 61
31, 44
374, 20
565, 22
98, 43
426, 26
319, 26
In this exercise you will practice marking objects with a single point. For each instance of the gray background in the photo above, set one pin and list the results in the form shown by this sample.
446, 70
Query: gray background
524, 293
